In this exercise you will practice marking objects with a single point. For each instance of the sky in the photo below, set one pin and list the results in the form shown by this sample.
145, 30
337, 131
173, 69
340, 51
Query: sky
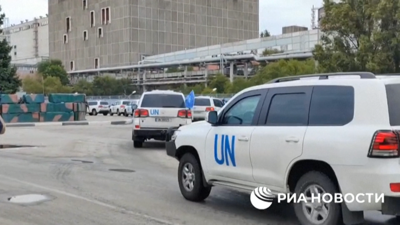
274, 14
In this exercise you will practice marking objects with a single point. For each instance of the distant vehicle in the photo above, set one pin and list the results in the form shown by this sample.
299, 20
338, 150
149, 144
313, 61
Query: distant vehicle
131, 107
119, 107
157, 111
96, 107
203, 105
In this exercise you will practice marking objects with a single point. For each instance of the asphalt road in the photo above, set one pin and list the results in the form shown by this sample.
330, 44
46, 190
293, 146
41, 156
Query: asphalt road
90, 194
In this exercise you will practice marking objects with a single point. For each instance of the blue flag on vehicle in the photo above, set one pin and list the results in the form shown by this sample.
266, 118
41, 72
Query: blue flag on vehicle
189, 101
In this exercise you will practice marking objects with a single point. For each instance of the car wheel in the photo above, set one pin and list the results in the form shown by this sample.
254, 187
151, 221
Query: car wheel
190, 179
125, 113
105, 114
118, 114
317, 213
111, 113
94, 112
137, 144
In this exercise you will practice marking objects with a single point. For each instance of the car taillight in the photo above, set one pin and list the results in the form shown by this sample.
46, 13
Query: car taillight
208, 109
141, 113
385, 144
122, 106
100, 106
185, 113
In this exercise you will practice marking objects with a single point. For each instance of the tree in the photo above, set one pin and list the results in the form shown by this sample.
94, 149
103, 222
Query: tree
83, 86
367, 40
9, 81
219, 82
53, 68
38, 85
106, 85
283, 68
265, 33
237, 85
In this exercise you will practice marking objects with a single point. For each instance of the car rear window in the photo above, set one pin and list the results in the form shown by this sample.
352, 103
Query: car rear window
103, 103
393, 98
125, 103
163, 101
202, 102
92, 103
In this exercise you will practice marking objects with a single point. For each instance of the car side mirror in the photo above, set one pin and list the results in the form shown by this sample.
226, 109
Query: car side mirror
212, 117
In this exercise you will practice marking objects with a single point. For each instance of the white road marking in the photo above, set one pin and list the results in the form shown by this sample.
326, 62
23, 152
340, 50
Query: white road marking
155, 219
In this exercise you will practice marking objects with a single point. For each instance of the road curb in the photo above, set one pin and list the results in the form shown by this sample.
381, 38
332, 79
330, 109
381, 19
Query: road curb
71, 123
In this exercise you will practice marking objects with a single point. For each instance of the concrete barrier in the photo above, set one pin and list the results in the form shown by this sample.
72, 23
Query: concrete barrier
71, 123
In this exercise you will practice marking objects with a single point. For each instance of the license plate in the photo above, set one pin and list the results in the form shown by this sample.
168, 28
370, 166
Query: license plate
162, 119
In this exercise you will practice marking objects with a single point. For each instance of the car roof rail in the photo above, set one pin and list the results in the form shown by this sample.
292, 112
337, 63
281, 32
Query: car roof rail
324, 76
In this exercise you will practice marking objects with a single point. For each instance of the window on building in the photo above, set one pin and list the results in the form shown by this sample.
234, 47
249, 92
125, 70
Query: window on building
15, 53
96, 63
15, 47
68, 23
65, 38
92, 19
103, 16
72, 65
84, 4
108, 16
100, 32
85, 35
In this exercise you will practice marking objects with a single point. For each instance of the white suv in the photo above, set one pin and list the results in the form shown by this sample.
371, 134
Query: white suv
298, 135
203, 105
96, 107
156, 112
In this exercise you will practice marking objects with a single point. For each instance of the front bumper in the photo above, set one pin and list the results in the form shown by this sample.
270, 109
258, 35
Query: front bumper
170, 146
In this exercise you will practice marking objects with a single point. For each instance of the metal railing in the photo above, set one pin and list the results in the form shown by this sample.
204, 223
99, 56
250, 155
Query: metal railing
118, 97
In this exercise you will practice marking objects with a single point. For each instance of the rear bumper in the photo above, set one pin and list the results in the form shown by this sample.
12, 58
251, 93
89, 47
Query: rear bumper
138, 135
391, 206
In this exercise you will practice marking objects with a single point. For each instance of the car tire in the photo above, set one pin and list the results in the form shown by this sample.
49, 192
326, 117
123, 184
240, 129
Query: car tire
321, 181
198, 192
111, 113
118, 114
137, 144
126, 114
105, 114
94, 112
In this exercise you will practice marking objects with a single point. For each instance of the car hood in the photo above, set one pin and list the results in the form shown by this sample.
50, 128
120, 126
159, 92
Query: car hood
195, 125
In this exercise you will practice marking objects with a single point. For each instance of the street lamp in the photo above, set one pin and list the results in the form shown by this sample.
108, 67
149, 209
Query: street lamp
214, 90
133, 92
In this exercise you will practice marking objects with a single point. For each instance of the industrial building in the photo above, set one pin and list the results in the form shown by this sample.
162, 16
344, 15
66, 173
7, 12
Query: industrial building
29, 41
93, 34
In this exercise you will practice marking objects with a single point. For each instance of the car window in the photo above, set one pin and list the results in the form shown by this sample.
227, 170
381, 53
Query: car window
125, 103
288, 110
163, 101
117, 103
92, 103
218, 103
332, 106
242, 112
202, 102
103, 103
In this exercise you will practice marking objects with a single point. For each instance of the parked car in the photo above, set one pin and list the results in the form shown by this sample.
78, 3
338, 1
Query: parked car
130, 109
203, 105
119, 107
96, 107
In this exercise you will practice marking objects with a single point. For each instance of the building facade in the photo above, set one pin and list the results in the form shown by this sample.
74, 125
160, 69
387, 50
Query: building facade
90, 34
30, 43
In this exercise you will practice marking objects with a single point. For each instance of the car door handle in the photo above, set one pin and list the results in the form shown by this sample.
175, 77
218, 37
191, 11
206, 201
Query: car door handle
292, 140
243, 139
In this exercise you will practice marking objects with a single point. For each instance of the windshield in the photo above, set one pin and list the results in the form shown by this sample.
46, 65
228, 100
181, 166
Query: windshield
163, 101
92, 103
202, 102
